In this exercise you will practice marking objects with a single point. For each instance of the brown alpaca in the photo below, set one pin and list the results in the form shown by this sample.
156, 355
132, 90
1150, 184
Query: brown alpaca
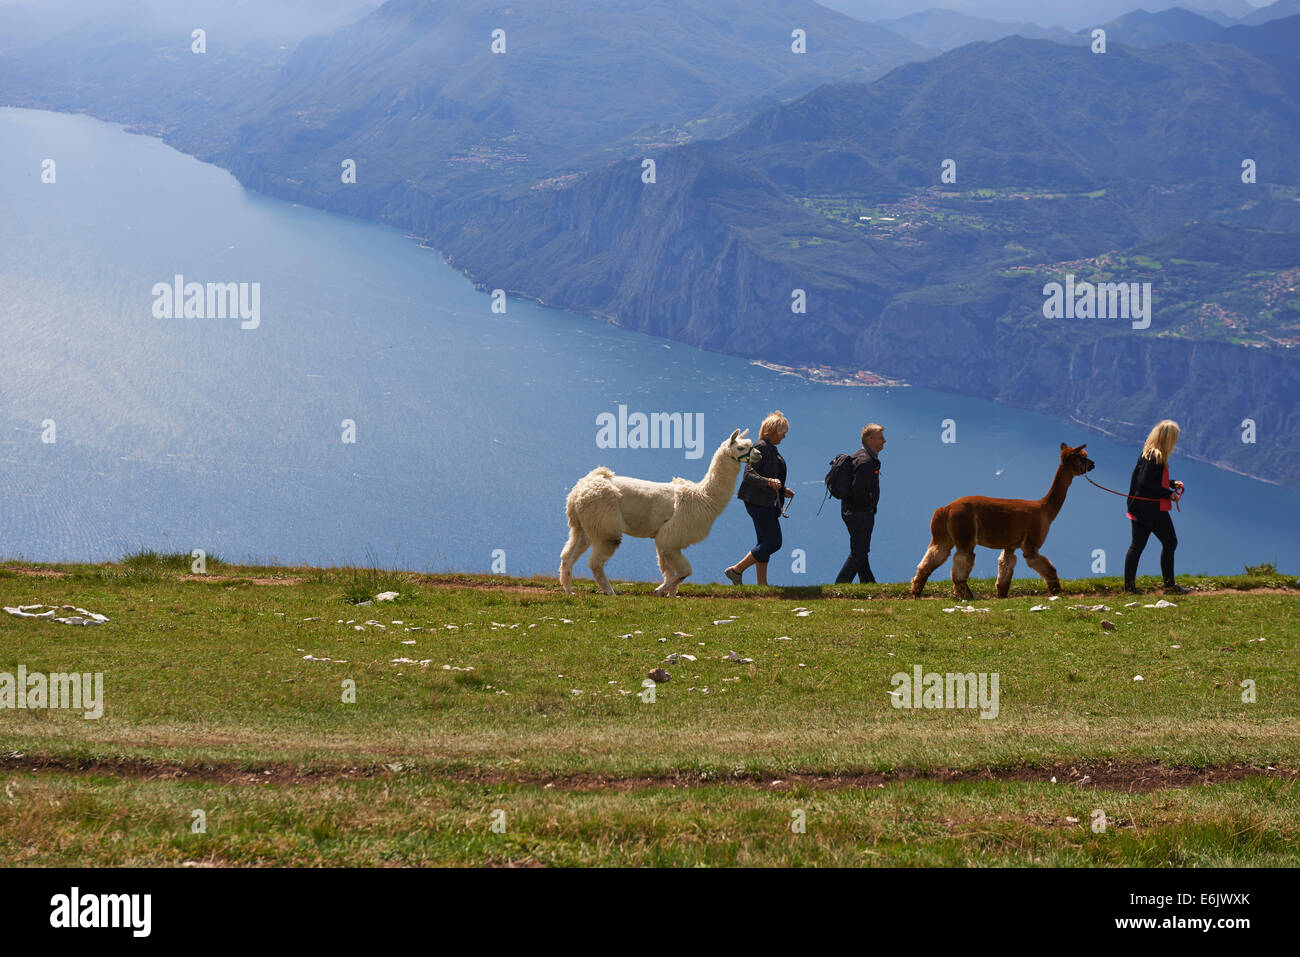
1005, 523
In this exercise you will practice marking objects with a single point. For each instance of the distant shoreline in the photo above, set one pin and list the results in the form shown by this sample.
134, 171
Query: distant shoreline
830, 375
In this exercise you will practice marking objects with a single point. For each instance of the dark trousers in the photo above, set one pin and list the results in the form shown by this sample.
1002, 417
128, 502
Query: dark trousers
767, 526
859, 525
1162, 526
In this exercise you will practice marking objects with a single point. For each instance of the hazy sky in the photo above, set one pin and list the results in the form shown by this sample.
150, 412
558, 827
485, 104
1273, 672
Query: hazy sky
299, 17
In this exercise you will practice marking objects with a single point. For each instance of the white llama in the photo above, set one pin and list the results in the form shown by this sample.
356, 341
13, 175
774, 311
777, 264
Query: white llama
603, 507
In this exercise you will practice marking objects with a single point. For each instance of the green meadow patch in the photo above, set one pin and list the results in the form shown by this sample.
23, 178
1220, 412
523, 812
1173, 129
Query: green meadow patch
314, 724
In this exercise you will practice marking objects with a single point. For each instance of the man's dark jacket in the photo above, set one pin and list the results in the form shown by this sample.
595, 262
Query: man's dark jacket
865, 496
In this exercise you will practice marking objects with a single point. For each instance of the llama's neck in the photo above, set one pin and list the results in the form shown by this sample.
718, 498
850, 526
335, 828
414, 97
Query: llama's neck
1056, 494
717, 487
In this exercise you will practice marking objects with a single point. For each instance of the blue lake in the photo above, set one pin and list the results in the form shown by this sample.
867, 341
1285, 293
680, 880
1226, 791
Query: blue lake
469, 427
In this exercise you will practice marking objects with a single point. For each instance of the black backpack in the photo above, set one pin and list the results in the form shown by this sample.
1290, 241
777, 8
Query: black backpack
839, 480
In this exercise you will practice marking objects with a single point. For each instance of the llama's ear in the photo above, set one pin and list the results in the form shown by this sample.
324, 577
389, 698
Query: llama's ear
735, 433
1084, 446
1064, 446
745, 433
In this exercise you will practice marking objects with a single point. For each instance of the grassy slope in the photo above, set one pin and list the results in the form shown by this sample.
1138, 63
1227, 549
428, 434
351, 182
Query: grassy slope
212, 671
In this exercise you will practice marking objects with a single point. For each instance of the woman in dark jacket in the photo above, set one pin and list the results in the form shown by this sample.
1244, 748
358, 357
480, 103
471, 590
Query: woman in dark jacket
763, 491
1150, 494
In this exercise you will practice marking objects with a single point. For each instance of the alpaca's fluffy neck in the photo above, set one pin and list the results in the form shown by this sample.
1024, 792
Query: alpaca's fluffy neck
717, 486
1055, 497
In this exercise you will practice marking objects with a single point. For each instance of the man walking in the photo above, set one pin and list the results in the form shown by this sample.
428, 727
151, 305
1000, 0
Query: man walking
858, 509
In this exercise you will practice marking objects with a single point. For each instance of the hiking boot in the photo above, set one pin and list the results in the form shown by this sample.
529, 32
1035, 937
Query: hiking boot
1173, 588
1131, 588
734, 576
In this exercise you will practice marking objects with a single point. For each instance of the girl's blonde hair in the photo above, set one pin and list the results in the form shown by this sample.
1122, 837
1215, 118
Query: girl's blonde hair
1160, 443
774, 425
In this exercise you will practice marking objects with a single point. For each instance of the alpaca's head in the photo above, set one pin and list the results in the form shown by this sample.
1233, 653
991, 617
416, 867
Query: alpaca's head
1076, 459
741, 449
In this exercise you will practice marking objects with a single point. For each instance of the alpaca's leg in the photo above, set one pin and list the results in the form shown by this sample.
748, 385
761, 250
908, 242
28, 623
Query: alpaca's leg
934, 556
962, 563
600, 553
573, 549
1006, 567
683, 568
1039, 563
666, 569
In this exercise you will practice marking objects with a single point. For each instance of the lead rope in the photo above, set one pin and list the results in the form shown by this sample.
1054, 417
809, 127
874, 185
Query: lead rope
1139, 498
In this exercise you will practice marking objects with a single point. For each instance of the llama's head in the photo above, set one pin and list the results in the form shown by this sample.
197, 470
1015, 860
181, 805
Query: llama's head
740, 448
1076, 459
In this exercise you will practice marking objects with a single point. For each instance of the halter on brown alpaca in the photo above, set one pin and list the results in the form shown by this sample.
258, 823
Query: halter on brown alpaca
1005, 523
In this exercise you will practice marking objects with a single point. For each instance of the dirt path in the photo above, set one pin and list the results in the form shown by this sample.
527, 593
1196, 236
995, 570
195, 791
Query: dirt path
1126, 776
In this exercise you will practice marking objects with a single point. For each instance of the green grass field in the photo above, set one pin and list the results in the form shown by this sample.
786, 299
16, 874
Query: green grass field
497, 721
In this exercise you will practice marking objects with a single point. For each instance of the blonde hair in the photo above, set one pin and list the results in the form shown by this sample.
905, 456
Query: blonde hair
776, 424
1160, 443
870, 429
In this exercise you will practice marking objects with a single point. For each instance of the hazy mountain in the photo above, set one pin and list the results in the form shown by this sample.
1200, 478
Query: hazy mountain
1277, 41
1232, 8
1274, 11
1175, 25
1073, 15
947, 29
416, 96
1023, 112
1218, 16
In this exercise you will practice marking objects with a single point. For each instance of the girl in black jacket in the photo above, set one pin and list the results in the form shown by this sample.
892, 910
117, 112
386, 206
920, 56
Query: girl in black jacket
763, 491
1150, 496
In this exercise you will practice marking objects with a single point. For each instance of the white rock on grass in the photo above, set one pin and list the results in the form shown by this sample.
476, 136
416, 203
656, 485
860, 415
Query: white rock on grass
81, 616
386, 596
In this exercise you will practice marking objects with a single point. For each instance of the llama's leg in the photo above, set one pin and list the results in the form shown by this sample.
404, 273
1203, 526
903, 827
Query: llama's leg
1039, 563
934, 556
573, 549
962, 563
683, 568
1006, 567
600, 553
666, 568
